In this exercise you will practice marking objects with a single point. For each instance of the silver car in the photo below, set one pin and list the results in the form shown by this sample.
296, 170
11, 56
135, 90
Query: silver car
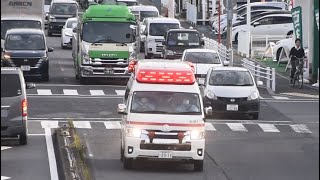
14, 110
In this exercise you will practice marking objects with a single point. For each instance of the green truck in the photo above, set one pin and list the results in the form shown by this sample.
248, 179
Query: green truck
103, 43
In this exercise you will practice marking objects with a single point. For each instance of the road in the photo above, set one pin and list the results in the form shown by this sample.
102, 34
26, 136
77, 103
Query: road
282, 145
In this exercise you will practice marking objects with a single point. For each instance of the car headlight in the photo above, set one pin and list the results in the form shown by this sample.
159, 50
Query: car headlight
133, 132
169, 52
196, 134
68, 34
85, 56
6, 57
150, 40
211, 95
254, 95
52, 18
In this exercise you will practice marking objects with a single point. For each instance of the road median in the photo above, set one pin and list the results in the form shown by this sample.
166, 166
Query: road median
71, 153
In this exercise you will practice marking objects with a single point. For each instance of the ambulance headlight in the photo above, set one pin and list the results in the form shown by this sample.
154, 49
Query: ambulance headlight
196, 134
133, 132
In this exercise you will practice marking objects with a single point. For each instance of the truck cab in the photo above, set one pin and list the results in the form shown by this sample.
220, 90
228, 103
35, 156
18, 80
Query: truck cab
103, 43
163, 116
153, 35
178, 40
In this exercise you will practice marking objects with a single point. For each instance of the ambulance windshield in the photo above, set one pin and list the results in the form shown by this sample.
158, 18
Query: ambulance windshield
165, 103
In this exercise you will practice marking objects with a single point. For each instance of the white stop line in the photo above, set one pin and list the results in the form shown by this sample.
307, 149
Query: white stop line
5, 177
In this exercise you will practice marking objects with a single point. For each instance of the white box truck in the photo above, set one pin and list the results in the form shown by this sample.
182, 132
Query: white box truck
21, 14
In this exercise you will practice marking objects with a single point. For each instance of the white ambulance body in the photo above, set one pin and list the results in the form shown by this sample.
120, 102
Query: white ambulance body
163, 130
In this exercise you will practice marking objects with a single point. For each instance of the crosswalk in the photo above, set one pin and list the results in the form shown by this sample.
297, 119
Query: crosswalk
209, 126
75, 92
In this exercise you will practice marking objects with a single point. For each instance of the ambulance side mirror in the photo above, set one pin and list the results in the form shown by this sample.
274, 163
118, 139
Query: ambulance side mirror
122, 109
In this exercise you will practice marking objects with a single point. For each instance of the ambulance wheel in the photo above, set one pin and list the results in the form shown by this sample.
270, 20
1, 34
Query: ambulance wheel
198, 165
127, 163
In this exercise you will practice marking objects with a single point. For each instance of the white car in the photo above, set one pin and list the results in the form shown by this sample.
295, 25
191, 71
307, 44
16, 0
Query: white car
285, 44
231, 90
128, 2
273, 24
66, 32
46, 7
203, 60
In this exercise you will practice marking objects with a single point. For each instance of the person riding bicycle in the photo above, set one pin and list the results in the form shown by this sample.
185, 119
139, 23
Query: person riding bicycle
295, 52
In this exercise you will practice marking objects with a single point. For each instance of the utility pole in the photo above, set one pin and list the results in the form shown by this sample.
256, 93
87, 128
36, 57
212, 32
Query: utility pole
219, 29
229, 23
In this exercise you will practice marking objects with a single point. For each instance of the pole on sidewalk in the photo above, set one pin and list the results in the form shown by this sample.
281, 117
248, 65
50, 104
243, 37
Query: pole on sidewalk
229, 23
248, 27
219, 12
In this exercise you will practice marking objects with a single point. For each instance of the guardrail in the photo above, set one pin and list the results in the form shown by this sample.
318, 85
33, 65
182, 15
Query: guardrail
225, 54
267, 74
192, 13
260, 43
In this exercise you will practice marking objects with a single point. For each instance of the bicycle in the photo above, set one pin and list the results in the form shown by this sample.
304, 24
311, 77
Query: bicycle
298, 75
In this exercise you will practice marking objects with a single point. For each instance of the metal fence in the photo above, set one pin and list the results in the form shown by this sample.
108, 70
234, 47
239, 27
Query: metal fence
266, 75
225, 54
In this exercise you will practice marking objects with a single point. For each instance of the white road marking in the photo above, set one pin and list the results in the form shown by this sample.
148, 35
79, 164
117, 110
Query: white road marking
280, 97
112, 125
73, 118
5, 177
70, 92
5, 147
82, 124
75, 97
76, 85
46, 92
36, 134
97, 92
261, 97
292, 101
49, 124
120, 92
51, 155
209, 127
237, 127
300, 128
268, 128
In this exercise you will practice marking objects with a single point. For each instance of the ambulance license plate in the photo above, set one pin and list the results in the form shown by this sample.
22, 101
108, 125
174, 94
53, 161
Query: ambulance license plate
165, 155
232, 107
25, 68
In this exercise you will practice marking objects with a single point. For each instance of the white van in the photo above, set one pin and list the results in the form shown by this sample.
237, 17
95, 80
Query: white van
163, 117
127, 2
144, 11
153, 34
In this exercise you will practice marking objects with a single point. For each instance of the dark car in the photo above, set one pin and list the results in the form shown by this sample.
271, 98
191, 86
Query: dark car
60, 11
14, 106
27, 49
178, 40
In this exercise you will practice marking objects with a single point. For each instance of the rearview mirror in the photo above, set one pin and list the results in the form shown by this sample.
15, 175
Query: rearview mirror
122, 109
30, 85
133, 27
256, 24
226, 63
164, 43
259, 83
75, 30
50, 49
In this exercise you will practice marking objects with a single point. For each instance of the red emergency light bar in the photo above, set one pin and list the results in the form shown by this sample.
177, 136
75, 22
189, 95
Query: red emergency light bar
165, 76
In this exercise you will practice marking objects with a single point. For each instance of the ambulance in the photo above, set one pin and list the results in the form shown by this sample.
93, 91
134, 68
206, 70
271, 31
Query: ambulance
162, 114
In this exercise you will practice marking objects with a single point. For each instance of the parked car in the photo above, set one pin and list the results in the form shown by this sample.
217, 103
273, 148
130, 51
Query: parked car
14, 105
273, 24
284, 44
203, 60
231, 90
67, 31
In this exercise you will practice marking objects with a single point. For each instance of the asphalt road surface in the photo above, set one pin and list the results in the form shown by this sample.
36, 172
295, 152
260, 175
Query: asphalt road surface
282, 145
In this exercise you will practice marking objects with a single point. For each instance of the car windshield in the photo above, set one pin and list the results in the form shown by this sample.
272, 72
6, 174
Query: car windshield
165, 103
25, 42
147, 14
9, 24
230, 78
64, 9
47, 2
202, 57
108, 2
10, 85
107, 32
160, 29
183, 39
69, 23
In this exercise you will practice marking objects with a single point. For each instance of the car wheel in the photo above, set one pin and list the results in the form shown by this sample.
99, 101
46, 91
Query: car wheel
198, 165
127, 163
23, 139
121, 152
83, 80
255, 116
290, 33
236, 38
148, 56
278, 54
62, 46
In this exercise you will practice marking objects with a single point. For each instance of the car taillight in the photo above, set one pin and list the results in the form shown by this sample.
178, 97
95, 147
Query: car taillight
24, 108
131, 65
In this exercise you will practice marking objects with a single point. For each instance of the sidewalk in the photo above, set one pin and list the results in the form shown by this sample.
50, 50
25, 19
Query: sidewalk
282, 80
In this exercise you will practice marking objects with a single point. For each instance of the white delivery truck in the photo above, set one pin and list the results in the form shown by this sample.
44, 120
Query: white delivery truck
153, 35
21, 14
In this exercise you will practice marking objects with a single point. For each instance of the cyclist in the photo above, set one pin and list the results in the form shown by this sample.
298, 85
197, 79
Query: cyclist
295, 52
